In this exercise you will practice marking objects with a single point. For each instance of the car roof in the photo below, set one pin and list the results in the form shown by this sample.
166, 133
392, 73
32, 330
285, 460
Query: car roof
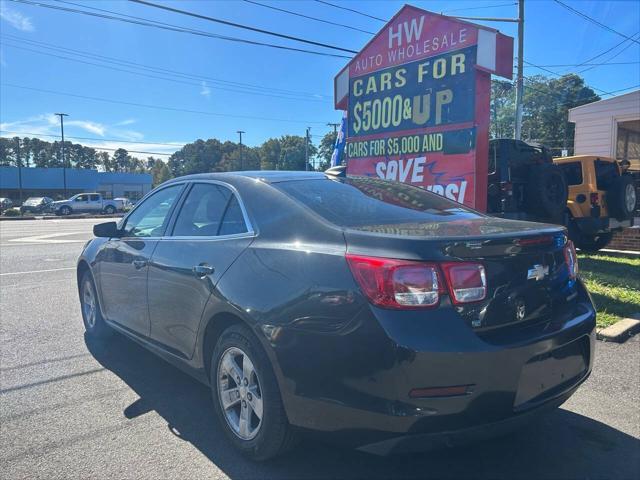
266, 176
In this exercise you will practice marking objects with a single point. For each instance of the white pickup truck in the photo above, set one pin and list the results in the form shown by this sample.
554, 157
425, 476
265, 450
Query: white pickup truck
85, 203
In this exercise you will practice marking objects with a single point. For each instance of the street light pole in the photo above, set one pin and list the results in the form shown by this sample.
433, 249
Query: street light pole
240, 132
520, 79
64, 162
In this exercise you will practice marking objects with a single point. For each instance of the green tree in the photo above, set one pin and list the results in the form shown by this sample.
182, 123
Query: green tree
325, 150
122, 161
502, 109
285, 153
160, 172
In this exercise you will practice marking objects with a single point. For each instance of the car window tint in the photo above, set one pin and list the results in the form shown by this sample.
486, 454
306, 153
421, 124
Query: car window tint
149, 219
572, 172
202, 212
606, 173
233, 222
359, 201
94, 198
81, 198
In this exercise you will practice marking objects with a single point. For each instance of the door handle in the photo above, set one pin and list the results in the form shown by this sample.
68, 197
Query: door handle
138, 264
202, 271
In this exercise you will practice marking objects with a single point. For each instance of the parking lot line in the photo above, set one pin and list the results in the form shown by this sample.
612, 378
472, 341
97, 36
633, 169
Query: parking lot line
37, 271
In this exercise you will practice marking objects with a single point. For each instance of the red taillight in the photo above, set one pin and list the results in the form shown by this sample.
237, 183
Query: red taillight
571, 259
394, 283
405, 284
467, 281
594, 198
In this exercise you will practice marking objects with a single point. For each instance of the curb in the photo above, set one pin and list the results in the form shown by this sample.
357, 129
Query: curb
56, 217
619, 331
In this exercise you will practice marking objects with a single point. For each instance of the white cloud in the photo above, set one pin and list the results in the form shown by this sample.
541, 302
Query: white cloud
15, 18
128, 121
91, 127
47, 127
205, 91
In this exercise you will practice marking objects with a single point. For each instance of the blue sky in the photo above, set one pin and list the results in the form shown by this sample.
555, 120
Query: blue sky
264, 91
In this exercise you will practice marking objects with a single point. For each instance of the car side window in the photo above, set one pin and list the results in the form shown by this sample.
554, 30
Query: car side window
149, 219
94, 198
81, 198
209, 210
572, 172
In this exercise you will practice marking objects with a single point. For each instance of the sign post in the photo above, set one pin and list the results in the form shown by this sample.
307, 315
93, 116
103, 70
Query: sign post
417, 101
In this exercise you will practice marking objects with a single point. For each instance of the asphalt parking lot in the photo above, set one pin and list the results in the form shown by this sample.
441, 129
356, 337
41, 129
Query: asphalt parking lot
73, 409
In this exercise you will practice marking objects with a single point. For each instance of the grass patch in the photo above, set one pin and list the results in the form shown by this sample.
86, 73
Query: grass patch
614, 283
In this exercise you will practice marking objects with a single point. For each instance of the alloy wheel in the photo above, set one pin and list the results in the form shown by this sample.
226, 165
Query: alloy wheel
239, 393
89, 304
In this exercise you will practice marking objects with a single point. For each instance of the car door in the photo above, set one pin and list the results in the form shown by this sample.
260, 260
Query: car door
80, 203
123, 262
95, 203
210, 230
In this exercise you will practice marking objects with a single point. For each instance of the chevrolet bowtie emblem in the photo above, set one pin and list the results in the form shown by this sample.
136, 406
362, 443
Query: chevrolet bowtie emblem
538, 272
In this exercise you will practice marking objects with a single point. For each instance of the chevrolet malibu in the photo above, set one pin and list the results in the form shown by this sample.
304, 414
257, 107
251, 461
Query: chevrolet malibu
370, 312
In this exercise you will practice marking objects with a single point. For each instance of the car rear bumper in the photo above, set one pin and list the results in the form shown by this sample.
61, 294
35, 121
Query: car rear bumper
592, 226
360, 396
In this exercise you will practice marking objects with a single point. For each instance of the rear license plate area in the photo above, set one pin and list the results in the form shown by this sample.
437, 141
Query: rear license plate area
548, 374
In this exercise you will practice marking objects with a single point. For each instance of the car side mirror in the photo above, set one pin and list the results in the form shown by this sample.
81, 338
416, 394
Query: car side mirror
106, 230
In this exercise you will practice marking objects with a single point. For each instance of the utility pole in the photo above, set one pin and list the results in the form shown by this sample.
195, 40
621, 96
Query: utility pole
240, 132
334, 125
519, 78
306, 150
64, 162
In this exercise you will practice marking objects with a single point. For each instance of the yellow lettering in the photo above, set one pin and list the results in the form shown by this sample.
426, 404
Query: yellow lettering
439, 68
457, 63
443, 98
422, 70
371, 85
385, 81
357, 87
400, 77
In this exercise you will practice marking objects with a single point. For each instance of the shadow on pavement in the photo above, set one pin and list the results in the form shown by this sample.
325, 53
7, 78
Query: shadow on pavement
561, 445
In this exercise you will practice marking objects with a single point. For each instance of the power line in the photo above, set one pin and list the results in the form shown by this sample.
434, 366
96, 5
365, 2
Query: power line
351, 10
558, 65
35, 134
186, 82
594, 21
560, 75
156, 107
480, 8
152, 68
604, 52
308, 16
611, 57
245, 27
176, 28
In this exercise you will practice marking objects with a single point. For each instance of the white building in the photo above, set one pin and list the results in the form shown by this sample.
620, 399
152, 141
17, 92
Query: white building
610, 128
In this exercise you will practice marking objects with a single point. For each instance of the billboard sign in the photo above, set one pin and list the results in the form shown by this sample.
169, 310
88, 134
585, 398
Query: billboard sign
417, 102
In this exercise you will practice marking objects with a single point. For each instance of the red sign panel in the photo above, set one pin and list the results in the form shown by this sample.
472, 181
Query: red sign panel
417, 98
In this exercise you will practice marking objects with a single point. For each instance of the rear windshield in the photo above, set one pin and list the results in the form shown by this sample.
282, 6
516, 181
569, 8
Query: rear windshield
572, 172
354, 202
606, 173
33, 200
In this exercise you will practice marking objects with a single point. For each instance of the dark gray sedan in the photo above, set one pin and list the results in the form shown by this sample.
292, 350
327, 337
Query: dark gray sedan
372, 313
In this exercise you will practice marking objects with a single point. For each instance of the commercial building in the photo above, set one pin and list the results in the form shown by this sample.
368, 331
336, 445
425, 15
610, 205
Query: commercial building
17, 183
610, 128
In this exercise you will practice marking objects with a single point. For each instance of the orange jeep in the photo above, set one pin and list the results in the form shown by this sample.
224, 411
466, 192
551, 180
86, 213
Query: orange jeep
602, 199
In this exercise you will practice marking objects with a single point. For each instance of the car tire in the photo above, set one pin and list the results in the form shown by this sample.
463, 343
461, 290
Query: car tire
252, 393
621, 197
94, 323
546, 191
64, 210
109, 210
592, 243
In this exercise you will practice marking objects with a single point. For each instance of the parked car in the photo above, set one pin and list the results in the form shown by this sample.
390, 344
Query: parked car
381, 314
602, 199
524, 183
5, 204
123, 204
37, 205
85, 203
